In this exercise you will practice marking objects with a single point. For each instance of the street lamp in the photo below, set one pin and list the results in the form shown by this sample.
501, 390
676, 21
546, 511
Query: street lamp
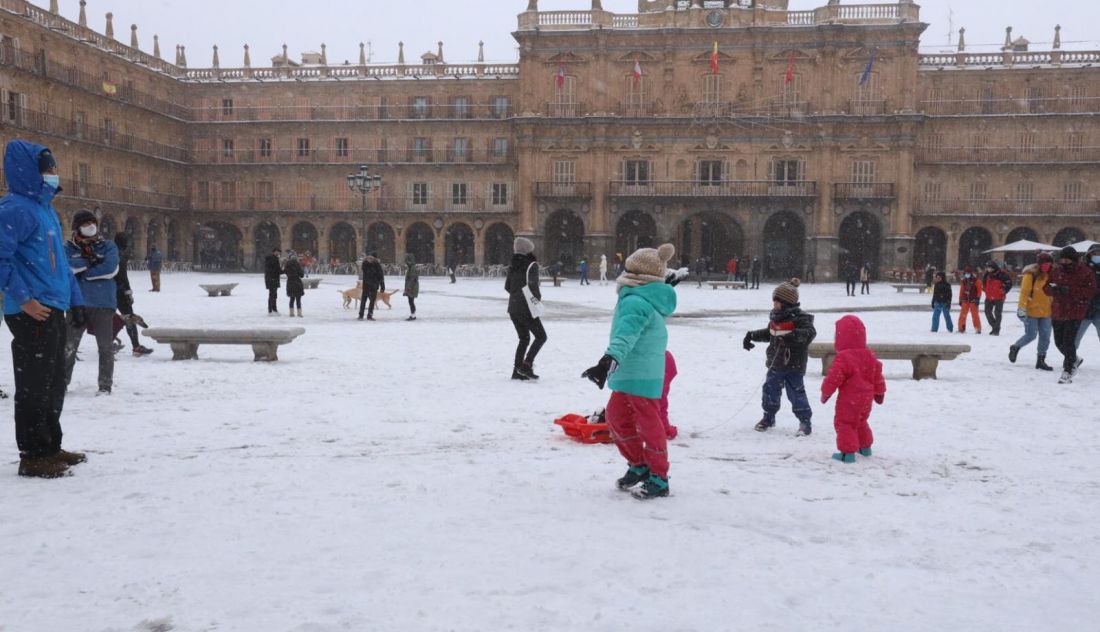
364, 183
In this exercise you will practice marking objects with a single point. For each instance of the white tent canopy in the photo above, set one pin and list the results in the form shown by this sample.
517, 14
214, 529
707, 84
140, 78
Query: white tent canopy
1024, 245
1082, 246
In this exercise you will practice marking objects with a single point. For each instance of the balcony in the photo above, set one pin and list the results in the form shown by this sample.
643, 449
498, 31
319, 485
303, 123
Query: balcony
1008, 155
291, 113
715, 189
867, 107
350, 203
67, 129
1023, 105
353, 156
565, 110
101, 193
563, 190
636, 109
863, 191
965, 207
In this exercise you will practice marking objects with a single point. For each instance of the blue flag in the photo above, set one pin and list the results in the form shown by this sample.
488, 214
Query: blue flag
870, 65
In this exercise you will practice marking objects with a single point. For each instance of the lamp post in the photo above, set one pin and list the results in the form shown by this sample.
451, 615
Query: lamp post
364, 183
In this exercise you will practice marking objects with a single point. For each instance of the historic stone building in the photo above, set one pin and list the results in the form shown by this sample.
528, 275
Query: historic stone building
731, 127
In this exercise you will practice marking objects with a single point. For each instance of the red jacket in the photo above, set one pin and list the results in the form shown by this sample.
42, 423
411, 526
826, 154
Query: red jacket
1072, 290
731, 267
997, 285
856, 373
970, 291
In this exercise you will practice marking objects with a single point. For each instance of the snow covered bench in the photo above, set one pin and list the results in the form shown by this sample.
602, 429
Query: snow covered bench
901, 287
925, 358
185, 342
311, 284
733, 285
224, 289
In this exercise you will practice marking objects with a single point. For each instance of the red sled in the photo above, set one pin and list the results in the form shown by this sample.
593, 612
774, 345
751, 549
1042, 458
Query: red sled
578, 427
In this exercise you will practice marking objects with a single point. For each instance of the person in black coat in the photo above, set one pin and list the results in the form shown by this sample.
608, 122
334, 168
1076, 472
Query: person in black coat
295, 289
374, 280
851, 277
755, 270
524, 272
273, 271
942, 296
125, 295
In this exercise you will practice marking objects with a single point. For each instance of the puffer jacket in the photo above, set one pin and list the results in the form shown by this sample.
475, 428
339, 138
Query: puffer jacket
1072, 289
521, 273
856, 373
639, 339
1033, 296
970, 291
96, 274
31, 244
941, 293
787, 351
997, 284
412, 277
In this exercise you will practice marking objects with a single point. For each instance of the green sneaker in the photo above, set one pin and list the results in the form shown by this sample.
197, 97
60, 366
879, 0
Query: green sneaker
636, 474
865, 451
654, 487
845, 457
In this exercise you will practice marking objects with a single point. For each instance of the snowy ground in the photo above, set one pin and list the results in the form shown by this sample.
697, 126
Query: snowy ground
389, 476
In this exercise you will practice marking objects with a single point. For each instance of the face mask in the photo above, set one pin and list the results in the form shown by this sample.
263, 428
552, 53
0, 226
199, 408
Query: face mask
89, 230
1045, 267
1096, 259
52, 180
968, 276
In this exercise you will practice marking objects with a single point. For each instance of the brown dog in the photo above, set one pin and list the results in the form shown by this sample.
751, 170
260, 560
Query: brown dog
355, 293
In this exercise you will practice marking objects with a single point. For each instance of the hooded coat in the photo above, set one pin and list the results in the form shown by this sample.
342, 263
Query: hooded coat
412, 277
32, 260
96, 276
1033, 295
1072, 288
857, 374
639, 339
294, 273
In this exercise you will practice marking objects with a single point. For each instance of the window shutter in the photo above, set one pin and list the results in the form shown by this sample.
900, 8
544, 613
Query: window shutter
4, 104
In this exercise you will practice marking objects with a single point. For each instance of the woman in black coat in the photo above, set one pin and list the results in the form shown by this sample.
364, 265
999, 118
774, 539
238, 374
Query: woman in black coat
524, 273
273, 271
294, 287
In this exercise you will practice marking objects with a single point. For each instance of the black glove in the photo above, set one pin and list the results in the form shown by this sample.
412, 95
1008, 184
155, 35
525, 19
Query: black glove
603, 369
747, 344
79, 318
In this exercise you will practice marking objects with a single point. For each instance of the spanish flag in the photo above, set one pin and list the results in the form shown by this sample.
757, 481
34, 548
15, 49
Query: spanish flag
714, 59
109, 88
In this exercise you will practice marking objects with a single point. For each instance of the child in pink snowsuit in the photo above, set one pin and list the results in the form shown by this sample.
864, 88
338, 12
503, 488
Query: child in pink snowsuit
670, 374
857, 374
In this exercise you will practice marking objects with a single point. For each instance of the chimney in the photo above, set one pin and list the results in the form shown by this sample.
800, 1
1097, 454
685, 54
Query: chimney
481, 52
216, 63
156, 46
247, 57
133, 36
401, 53
362, 54
83, 20
110, 32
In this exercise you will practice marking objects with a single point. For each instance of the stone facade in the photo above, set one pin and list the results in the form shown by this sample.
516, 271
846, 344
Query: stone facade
809, 139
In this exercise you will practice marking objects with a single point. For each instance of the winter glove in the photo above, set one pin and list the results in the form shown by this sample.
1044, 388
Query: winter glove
674, 277
747, 344
1022, 312
79, 318
603, 369
880, 398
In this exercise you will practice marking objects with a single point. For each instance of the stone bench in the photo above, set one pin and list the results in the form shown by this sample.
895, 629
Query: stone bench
557, 282
185, 342
733, 285
925, 358
901, 287
311, 284
224, 289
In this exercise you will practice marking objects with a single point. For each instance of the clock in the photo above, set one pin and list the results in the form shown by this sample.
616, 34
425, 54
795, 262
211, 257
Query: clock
715, 19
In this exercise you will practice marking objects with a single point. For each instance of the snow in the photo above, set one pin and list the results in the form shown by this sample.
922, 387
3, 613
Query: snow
389, 476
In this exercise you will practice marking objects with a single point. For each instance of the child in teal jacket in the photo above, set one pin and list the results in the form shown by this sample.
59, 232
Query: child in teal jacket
635, 363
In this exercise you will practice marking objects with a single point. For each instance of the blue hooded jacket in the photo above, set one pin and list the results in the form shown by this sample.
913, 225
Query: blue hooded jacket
97, 278
32, 251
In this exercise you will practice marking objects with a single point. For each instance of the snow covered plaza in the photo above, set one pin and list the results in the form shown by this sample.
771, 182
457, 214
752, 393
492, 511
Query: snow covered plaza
389, 476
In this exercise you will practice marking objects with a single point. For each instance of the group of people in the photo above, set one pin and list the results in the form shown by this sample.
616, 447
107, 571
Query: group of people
857, 274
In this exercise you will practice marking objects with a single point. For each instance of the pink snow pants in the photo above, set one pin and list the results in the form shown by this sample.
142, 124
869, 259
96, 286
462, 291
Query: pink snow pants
636, 426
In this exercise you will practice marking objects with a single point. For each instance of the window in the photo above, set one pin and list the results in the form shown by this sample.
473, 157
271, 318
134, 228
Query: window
933, 144
227, 148
636, 172
1076, 142
108, 177
266, 149
1035, 100
460, 107
303, 147
500, 147
40, 63
227, 107
987, 101
461, 149
1026, 142
265, 191
229, 192
342, 147
933, 191
790, 94
1071, 192
1025, 192
1079, 97
978, 191
789, 172
14, 107
565, 177
420, 108
499, 192
501, 107
637, 103
863, 172
565, 98
82, 179
458, 194
420, 149
978, 143
203, 193
108, 130
710, 172
420, 193
868, 96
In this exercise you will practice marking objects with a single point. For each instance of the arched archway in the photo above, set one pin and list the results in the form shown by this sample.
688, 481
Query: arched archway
420, 243
382, 242
972, 245
172, 241
1020, 259
266, 238
342, 243
1068, 236
133, 229
303, 238
930, 248
218, 247
459, 244
860, 242
784, 246
564, 239
715, 236
635, 230
498, 244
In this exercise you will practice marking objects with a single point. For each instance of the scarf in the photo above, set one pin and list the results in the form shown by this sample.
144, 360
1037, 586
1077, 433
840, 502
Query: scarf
630, 279
87, 245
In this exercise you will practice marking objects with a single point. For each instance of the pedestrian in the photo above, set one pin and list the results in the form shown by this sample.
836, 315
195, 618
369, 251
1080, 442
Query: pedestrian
155, 261
756, 270
523, 290
374, 280
970, 296
1072, 286
618, 264
1092, 317
295, 289
633, 366
273, 273
941, 303
865, 279
929, 276
37, 293
94, 261
1034, 309
124, 295
856, 375
584, 271
451, 266
412, 284
811, 273
788, 334
603, 269
307, 263
996, 283
851, 276
731, 270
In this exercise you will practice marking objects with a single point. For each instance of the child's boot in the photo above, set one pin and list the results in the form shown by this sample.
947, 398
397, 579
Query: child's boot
845, 457
636, 474
654, 487
765, 424
865, 451
805, 429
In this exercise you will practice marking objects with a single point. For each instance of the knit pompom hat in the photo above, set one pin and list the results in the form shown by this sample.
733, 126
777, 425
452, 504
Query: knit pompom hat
523, 246
650, 261
786, 294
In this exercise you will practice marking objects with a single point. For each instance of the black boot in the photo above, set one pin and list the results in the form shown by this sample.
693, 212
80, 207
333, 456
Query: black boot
518, 375
765, 424
1041, 363
1013, 351
528, 370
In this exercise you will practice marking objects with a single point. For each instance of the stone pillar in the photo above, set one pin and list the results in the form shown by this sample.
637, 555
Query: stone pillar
440, 246
322, 254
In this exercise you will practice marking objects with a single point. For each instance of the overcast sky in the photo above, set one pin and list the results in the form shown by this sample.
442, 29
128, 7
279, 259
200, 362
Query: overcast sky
341, 24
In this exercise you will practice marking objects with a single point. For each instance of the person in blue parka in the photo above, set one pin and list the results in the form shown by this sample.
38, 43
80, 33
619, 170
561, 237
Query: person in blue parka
38, 289
94, 260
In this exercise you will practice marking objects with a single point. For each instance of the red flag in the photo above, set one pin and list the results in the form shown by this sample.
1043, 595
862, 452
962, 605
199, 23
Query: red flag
561, 77
637, 70
714, 59
790, 71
